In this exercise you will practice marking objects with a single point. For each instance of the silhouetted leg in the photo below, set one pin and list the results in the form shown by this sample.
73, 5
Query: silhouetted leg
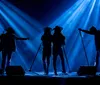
9, 57
3, 60
48, 62
44, 64
62, 61
54, 64
97, 60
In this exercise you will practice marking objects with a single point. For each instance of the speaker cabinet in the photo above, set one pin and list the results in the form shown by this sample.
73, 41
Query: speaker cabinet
15, 71
87, 70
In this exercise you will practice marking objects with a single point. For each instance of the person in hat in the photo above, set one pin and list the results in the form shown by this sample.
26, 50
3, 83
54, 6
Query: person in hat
46, 53
58, 40
96, 33
8, 46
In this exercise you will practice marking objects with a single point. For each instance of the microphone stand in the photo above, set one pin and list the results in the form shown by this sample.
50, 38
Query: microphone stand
84, 47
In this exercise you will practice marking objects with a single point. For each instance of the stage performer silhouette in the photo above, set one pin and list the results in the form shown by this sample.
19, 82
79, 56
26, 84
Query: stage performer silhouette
58, 43
46, 53
8, 46
96, 33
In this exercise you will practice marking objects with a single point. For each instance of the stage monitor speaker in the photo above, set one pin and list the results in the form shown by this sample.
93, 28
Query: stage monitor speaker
87, 70
15, 71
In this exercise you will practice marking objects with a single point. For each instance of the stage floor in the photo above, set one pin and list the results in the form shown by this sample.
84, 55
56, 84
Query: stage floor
51, 74
38, 78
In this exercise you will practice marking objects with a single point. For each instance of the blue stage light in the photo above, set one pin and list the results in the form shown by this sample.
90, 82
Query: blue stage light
83, 14
24, 27
79, 16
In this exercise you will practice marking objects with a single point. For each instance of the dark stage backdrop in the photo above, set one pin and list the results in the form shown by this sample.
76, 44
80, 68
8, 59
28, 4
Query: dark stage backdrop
43, 10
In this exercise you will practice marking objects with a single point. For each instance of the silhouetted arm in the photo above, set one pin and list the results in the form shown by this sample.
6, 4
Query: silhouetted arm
86, 31
42, 38
64, 41
18, 38
22, 38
